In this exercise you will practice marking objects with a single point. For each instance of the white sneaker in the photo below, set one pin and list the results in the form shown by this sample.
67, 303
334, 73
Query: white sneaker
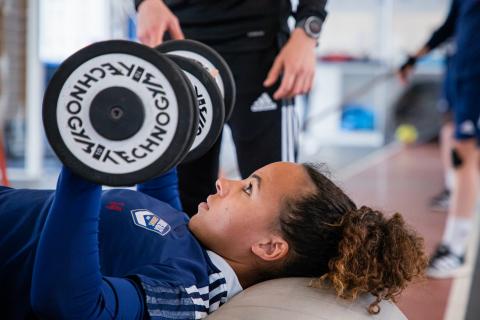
445, 264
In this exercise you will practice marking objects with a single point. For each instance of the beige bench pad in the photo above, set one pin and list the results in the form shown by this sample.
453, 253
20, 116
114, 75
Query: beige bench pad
292, 299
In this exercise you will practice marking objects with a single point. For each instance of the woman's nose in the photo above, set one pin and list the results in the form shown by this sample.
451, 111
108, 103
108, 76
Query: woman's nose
222, 186
218, 185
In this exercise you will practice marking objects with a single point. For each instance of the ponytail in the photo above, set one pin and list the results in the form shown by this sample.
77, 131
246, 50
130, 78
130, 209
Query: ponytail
376, 254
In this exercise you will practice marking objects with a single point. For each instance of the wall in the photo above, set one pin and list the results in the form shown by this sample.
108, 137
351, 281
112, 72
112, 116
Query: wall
12, 58
355, 27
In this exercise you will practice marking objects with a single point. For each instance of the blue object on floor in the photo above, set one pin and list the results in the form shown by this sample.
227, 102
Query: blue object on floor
357, 117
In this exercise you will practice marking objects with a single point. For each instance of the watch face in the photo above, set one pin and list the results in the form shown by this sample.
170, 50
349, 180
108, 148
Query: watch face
315, 26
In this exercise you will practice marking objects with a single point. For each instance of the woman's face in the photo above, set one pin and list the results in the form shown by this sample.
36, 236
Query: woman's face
244, 212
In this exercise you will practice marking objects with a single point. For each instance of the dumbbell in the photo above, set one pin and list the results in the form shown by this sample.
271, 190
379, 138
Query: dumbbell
118, 113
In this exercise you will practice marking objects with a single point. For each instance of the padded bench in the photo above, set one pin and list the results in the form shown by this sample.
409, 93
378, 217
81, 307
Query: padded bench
293, 299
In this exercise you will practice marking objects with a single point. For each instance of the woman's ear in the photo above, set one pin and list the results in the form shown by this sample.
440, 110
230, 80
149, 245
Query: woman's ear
270, 249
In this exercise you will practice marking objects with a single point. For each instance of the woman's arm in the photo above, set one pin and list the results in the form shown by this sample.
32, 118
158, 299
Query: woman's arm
443, 33
163, 188
66, 280
446, 30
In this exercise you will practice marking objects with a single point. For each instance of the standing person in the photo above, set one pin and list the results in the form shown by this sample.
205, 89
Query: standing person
269, 66
443, 34
449, 258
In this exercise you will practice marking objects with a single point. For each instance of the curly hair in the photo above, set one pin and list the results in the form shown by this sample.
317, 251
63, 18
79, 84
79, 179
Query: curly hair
352, 250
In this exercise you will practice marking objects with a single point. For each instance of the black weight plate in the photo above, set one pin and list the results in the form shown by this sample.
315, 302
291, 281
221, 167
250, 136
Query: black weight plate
210, 103
165, 95
191, 138
210, 59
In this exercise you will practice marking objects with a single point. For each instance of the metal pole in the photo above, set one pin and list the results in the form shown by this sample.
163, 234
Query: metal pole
34, 135
385, 35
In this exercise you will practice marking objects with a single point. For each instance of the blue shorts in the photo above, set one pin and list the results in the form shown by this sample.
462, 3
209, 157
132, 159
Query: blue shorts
467, 108
446, 103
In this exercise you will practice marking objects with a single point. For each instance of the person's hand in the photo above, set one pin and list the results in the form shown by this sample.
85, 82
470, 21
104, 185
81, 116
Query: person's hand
406, 70
296, 61
154, 18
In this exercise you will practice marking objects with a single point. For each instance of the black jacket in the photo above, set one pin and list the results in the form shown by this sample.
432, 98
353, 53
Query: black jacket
236, 25
447, 29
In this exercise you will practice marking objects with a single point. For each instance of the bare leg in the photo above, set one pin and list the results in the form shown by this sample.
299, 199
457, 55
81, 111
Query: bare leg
448, 260
441, 201
466, 189
446, 144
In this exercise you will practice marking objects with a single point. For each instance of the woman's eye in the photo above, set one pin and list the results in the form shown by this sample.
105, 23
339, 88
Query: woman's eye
248, 189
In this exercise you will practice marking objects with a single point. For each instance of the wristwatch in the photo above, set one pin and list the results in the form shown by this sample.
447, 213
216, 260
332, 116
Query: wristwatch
311, 25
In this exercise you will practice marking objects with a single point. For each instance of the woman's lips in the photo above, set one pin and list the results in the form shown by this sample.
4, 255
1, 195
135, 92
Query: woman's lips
203, 205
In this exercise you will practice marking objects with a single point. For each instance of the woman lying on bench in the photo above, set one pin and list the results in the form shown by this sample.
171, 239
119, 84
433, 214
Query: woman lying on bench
80, 252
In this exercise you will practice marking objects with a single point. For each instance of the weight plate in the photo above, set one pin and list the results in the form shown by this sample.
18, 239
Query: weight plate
143, 153
182, 153
212, 61
211, 108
